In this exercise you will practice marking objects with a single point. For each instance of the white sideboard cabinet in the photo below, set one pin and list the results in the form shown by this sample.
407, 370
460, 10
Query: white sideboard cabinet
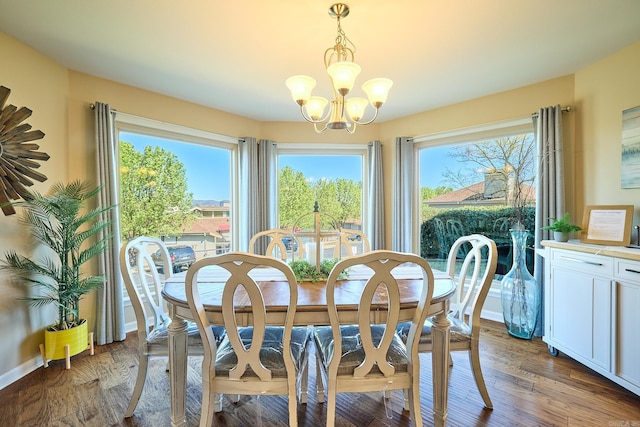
592, 307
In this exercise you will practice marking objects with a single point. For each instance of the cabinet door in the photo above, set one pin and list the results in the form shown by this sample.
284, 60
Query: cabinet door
628, 332
579, 309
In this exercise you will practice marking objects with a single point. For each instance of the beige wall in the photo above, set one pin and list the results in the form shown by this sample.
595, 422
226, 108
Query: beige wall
60, 100
41, 85
603, 91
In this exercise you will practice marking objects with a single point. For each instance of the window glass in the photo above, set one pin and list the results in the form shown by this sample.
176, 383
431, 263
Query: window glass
334, 182
176, 190
483, 186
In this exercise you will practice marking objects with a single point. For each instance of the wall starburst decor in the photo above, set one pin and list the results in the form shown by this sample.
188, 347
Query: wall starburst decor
18, 155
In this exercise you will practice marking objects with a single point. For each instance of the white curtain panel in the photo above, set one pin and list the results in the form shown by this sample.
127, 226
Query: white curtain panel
375, 211
267, 195
403, 191
110, 323
547, 125
248, 203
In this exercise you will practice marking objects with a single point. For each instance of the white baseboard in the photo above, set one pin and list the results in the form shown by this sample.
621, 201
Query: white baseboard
18, 372
492, 315
31, 365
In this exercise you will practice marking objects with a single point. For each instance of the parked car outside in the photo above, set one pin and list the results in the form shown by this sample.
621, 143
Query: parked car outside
290, 243
181, 258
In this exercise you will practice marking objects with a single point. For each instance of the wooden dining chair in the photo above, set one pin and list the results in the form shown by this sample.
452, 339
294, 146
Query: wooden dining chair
473, 281
254, 360
281, 242
366, 357
143, 283
350, 241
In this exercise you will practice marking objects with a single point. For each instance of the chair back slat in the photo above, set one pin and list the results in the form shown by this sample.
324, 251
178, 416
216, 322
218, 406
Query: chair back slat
143, 281
276, 246
239, 266
382, 263
475, 276
247, 357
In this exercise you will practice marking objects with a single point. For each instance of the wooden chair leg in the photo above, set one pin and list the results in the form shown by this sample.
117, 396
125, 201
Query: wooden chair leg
91, 348
414, 405
474, 358
45, 362
331, 404
67, 356
208, 404
143, 364
304, 383
217, 403
319, 383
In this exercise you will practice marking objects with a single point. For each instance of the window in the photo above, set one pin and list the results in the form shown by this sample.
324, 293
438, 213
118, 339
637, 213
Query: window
335, 181
176, 184
476, 181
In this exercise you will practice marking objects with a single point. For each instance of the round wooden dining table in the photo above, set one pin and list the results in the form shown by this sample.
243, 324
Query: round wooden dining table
311, 310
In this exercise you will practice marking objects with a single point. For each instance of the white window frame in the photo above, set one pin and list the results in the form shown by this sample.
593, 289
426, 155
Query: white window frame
469, 134
134, 124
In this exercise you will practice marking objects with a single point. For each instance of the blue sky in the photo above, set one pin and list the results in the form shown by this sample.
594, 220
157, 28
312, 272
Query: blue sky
329, 167
433, 163
207, 168
208, 174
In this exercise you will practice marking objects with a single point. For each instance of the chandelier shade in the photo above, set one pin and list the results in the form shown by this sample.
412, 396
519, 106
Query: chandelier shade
301, 87
343, 75
344, 113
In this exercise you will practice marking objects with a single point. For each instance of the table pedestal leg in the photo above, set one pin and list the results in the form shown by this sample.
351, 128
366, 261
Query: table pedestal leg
178, 370
440, 359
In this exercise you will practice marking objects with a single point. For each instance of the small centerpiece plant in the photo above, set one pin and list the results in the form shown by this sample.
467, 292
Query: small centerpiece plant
305, 272
562, 227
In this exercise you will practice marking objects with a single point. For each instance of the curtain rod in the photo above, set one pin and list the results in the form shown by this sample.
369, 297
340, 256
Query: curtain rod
92, 107
566, 109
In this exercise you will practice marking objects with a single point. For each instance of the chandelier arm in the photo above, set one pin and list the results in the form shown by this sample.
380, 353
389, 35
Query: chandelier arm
352, 130
315, 127
375, 116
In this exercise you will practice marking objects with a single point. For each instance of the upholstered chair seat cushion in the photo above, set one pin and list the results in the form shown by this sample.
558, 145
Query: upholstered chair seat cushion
161, 335
352, 351
270, 353
459, 331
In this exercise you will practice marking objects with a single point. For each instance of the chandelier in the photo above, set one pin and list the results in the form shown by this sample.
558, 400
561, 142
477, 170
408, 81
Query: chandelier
344, 113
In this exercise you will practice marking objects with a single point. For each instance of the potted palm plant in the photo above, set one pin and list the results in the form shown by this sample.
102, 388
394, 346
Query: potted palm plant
562, 228
72, 234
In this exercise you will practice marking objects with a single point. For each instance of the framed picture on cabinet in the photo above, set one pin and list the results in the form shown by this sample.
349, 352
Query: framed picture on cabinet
607, 225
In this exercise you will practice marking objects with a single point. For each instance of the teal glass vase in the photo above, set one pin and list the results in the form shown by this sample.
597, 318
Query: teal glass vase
520, 292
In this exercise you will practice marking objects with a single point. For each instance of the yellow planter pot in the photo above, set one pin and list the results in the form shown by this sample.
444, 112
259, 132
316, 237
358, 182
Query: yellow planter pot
55, 341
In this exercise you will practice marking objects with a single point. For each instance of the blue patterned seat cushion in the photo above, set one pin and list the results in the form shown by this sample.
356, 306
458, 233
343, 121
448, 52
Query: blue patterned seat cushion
270, 353
352, 351
459, 331
161, 335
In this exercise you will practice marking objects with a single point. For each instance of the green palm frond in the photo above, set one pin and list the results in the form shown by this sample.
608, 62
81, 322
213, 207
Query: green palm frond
75, 233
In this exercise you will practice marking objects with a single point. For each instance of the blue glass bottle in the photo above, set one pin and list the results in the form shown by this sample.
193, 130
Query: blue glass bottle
520, 292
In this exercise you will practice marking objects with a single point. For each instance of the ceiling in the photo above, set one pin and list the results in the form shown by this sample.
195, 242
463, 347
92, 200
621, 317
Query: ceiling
236, 55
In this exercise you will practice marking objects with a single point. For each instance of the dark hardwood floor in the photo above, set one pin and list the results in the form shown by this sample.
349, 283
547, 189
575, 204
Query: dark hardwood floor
527, 385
